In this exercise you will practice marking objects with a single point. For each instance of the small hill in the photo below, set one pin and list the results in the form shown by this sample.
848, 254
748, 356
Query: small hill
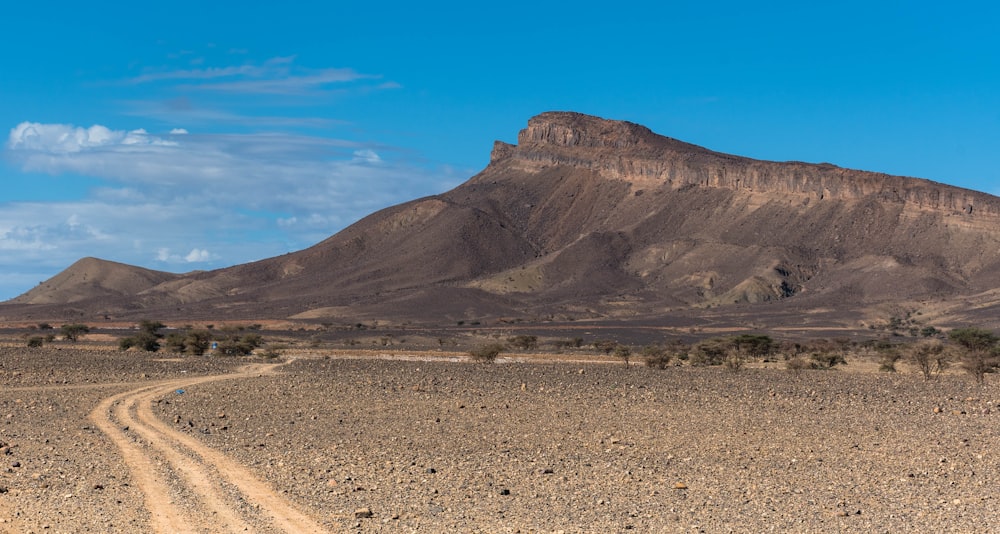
586, 218
91, 278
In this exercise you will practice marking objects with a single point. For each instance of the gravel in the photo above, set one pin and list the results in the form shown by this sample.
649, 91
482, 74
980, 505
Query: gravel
425, 446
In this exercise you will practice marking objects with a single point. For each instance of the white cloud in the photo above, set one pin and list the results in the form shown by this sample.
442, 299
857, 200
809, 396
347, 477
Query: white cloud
198, 255
240, 197
367, 156
276, 76
65, 139
288, 84
178, 131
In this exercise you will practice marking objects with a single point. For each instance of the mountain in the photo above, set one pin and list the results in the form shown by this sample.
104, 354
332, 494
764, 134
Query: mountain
586, 218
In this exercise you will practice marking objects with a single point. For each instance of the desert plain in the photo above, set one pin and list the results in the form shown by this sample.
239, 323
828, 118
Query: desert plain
100, 440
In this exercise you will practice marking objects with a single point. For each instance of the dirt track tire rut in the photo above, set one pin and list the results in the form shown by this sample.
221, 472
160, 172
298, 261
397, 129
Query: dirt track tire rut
187, 486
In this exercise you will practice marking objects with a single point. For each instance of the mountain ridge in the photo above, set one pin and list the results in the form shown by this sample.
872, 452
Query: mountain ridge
587, 218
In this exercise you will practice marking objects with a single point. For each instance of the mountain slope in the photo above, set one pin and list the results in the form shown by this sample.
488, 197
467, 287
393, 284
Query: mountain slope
586, 217
92, 278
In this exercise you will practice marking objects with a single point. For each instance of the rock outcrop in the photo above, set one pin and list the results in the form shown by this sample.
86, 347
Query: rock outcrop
625, 151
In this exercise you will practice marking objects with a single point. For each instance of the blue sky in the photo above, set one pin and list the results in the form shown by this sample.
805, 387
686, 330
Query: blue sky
198, 135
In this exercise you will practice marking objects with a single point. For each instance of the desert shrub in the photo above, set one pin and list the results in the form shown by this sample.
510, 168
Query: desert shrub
929, 331
486, 353
754, 345
152, 327
523, 342
148, 338
148, 341
607, 346
624, 353
797, 364
234, 344
36, 341
979, 351
887, 361
197, 342
710, 352
174, 342
44, 326
656, 356
72, 332
930, 356
575, 342
826, 360
272, 351
888, 355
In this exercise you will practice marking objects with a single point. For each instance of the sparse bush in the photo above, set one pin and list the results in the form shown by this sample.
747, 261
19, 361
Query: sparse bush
152, 327
797, 364
486, 353
174, 342
710, 352
826, 360
72, 332
889, 354
233, 344
930, 356
656, 356
148, 338
754, 345
624, 353
980, 351
523, 342
575, 342
196, 342
734, 361
607, 346
887, 362
929, 331
272, 351
36, 341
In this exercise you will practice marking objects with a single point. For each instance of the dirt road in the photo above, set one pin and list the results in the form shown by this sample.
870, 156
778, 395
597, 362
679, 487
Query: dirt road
188, 487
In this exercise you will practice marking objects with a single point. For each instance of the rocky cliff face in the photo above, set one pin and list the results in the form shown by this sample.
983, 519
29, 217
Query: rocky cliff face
624, 151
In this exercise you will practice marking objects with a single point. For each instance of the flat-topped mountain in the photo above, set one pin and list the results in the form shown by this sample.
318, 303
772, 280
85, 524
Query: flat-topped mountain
590, 218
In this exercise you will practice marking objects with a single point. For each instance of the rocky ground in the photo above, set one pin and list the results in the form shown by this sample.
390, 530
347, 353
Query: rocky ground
434, 446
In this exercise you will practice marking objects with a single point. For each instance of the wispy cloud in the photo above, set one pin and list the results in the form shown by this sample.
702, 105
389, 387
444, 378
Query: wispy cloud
290, 85
183, 110
177, 199
276, 76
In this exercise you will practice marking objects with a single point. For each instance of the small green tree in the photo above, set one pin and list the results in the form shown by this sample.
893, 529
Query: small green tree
980, 350
231, 343
656, 356
754, 345
710, 352
72, 332
197, 342
148, 338
930, 356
